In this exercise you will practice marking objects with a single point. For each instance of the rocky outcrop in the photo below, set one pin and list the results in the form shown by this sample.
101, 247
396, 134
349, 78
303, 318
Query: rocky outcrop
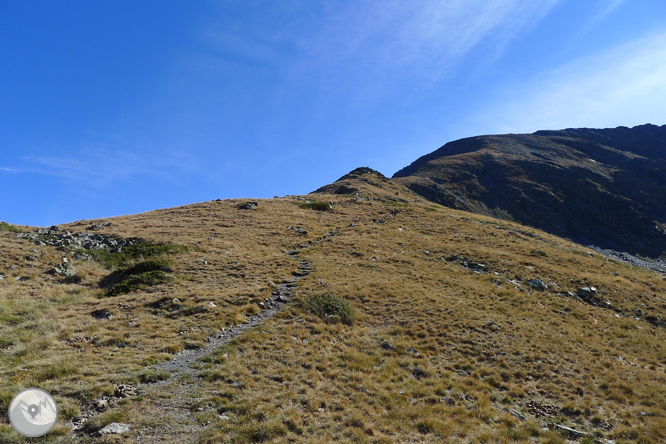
366, 183
65, 240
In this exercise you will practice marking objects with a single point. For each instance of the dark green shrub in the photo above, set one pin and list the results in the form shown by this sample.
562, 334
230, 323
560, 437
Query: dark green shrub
330, 307
4, 226
319, 206
133, 253
159, 264
139, 282
151, 376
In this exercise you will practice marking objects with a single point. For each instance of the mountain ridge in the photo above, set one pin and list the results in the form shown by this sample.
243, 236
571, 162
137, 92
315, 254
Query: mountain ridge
605, 187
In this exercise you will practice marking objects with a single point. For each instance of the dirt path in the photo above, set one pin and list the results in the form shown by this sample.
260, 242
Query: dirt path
175, 422
279, 299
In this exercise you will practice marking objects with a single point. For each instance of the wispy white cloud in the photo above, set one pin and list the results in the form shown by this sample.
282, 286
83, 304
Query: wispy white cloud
9, 170
376, 44
384, 42
605, 9
624, 86
610, 6
104, 165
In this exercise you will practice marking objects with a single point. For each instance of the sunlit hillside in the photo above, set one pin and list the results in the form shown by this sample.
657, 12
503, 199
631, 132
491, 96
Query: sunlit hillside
365, 317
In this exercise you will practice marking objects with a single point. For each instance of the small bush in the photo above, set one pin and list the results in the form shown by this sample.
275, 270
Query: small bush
330, 307
264, 431
4, 226
214, 375
151, 376
133, 253
159, 264
318, 206
139, 282
57, 371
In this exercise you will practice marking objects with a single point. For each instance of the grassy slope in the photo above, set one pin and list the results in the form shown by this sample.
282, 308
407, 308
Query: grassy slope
464, 346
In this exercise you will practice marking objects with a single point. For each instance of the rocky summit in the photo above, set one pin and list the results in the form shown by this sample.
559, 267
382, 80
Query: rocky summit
605, 187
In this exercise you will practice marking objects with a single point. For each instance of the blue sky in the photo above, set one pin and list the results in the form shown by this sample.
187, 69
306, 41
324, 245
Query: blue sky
119, 107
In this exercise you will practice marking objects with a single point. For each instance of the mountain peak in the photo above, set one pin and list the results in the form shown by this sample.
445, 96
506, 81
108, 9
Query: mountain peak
596, 186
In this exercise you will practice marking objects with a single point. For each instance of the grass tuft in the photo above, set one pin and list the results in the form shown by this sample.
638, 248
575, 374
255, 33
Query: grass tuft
139, 282
330, 307
318, 206
4, 226
151, 376
132, 253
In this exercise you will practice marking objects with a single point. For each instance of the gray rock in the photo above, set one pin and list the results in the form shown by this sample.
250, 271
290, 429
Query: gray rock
247, 206
517, 415
65, 270
82, 257
101, 404
537, 284
569, 431
102, 314
115, 428
586, 292
99, 225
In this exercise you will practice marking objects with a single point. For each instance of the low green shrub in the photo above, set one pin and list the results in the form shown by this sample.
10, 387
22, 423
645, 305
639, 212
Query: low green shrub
133, 253
151, 376
158, 264
139, 282
319, 206
4, 226
330, 307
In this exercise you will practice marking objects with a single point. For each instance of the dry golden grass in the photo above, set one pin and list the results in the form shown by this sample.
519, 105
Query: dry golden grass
436, 353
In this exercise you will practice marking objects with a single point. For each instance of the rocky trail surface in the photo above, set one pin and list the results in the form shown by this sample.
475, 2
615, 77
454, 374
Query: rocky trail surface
280, 298
182, 386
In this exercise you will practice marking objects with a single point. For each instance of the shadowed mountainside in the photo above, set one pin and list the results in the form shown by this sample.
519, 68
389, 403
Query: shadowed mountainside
605, 187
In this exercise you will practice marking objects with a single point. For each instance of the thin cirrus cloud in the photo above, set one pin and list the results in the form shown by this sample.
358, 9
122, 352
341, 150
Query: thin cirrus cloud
624, 86
607, 7
104, 166
388, 41
374, 45
611, 5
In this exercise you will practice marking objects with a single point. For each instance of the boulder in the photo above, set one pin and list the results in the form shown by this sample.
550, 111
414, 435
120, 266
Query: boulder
65, 269
125, 391
588, 294
248, 206
115, 428
537, 284
101, 404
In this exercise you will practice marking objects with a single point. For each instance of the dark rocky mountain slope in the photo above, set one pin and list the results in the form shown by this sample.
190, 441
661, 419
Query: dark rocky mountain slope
605, 187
